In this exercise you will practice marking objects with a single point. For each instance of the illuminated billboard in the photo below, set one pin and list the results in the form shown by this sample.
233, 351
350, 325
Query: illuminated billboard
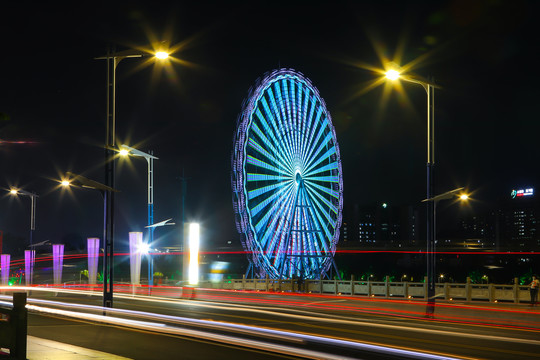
518, 193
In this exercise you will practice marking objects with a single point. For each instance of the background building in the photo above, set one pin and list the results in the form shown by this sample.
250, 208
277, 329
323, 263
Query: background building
510, 223
380, 225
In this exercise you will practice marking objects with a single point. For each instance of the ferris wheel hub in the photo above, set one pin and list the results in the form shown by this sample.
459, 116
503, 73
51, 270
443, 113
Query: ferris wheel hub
298, 178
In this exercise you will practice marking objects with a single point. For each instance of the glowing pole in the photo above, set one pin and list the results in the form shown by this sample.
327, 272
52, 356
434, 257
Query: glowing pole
58, 262
93, 259
126, 151
72, 179
113, 59
193, 270
150, 217
4, 263
29, 260
429, 86
135, 245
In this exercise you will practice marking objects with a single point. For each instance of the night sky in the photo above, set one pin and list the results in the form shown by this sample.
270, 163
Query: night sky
53, 95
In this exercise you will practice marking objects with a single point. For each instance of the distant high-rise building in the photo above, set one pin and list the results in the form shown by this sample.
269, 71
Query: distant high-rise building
380, 225
520, 220
513, 223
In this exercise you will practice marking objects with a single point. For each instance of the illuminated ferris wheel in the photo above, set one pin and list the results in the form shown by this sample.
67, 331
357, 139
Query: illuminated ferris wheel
286, 178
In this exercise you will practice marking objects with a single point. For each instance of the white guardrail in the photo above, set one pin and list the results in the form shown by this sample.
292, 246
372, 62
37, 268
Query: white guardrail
383, 289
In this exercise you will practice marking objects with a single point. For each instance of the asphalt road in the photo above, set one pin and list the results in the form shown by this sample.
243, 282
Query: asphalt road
136, 344
330, 317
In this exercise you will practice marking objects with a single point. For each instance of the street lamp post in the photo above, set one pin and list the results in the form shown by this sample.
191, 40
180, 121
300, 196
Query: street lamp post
431, 247
113, 59
394, 74
81, 181
127, 151
33, 197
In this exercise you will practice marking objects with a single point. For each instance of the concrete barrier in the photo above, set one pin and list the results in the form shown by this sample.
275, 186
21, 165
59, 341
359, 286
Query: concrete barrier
385, 289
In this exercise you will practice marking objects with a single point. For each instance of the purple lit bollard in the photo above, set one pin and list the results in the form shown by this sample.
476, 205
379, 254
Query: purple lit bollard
29, 261
135, 243
4, 263
58, 262
93, 258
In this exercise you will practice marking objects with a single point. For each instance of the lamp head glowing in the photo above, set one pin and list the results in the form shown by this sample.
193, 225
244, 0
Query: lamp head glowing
162, 55
13, 191
464, 197
144, 248
124, 152
392, 75
65, 183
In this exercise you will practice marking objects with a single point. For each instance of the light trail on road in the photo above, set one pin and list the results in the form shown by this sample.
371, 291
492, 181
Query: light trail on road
153, 326
295, 314
415, 310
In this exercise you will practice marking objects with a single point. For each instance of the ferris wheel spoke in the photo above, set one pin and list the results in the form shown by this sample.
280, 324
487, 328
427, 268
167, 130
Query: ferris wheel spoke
323, 239
297, 108
259, 164
324, 189
325, 179
281, 160
276, 208
310, 230
273, 130
274, 118
290, 115
276, 237
316, 223
285, 131
266, 177
325, 143
297, 115
303, 97
279, 245
307, 116
300, 116
276, 122
286, 112
328, 204
263, 203
317, 140
321, 207
327, 156
311, 119
332, 167
315, 124
252, 194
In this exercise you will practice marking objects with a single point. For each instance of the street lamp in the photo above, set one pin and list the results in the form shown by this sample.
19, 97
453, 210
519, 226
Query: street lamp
33, 197
459, 193
162, 55
113, 59
72, 179
395, 74
127, 151
76, 180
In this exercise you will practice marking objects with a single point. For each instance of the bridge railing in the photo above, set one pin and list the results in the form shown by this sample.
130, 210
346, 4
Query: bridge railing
384, 289
380, 289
